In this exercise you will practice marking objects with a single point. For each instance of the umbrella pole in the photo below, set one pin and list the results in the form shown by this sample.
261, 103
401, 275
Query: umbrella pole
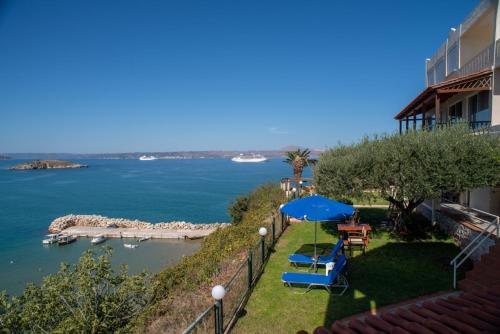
315, 237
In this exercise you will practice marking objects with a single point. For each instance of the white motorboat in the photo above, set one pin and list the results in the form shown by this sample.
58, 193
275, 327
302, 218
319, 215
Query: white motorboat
147, 157
66, 239
130, 246
249, 158
98, 239
144, 239
51, 238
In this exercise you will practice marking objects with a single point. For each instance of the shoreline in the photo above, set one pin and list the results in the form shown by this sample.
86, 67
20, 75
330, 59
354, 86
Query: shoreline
93, 225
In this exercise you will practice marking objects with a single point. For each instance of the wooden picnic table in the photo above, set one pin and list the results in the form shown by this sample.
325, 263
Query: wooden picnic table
358, 241
351, 227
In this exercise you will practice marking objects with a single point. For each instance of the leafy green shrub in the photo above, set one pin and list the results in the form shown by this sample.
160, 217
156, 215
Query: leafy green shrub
88, 297
238, 208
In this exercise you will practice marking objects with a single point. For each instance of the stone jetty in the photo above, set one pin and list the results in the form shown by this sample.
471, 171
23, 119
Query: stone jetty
92, 225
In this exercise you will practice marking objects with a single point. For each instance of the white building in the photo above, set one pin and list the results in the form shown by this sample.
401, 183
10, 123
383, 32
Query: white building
462, 82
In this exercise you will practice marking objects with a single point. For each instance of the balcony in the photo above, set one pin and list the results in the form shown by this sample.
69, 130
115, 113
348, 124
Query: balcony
483, 60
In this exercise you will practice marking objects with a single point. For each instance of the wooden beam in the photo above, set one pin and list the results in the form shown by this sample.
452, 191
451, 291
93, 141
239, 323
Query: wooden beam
423, 116
462, 90
414, 119
437, 109
400, 126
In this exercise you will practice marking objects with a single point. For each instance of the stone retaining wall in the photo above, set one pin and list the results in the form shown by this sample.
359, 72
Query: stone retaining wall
64, 222
462, 233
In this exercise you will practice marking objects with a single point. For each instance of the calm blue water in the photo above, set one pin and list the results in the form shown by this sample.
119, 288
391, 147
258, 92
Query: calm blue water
197, 190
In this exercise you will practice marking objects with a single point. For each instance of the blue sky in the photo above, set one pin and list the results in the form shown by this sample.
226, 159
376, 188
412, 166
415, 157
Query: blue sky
122, 76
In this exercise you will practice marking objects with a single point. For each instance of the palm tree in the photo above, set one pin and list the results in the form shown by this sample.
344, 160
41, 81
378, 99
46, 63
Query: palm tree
298, 160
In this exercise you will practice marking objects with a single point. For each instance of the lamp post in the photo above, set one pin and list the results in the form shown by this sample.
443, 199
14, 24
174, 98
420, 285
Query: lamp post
262, 233
282, 218
218, 292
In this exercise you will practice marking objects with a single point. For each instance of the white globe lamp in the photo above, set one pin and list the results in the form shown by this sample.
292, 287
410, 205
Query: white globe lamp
262, 231
218, 292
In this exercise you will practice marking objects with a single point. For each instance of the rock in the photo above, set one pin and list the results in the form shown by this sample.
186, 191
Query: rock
47, 164
64, 222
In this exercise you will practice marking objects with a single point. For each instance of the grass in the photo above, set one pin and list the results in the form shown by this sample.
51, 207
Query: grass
390, 272
372, 198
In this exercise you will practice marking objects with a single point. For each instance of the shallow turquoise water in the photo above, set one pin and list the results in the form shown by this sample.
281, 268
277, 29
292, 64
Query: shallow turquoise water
195, 190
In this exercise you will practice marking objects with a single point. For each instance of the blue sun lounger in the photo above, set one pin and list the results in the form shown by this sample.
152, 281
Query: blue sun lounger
335, 279
296, 259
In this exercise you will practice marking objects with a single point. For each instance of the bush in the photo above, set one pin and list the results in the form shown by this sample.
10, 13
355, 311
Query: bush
238, 208
84, 298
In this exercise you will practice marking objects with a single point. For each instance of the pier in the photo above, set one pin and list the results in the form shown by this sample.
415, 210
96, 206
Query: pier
128, 232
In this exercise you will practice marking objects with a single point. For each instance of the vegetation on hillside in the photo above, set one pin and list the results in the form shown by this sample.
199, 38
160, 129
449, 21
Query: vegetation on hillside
88, 297
410, 168
183, 291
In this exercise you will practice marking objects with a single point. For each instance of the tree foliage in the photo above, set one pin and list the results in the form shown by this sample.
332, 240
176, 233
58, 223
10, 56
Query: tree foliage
412, 167
88, 297
238, 208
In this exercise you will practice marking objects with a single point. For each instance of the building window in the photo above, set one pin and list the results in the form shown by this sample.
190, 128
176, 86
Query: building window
455, 112
452, 58
479, 109
440, 70
430, 77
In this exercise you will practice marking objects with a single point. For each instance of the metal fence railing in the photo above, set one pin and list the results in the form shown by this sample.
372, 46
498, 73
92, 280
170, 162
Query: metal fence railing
233, 295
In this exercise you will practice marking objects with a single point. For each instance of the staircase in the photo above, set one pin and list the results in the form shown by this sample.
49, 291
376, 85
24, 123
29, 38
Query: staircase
485, 273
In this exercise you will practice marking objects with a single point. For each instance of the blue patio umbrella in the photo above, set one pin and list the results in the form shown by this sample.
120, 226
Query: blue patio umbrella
315, 209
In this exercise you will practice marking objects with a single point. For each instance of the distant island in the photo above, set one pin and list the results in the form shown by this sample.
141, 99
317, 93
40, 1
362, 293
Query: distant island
213, 154
4, 157
47, 164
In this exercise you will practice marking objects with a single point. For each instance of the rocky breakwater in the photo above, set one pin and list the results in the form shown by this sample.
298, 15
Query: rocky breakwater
99, 222
47, 164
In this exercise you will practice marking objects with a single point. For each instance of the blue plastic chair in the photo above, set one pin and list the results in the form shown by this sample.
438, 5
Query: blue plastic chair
335, 279
297, 259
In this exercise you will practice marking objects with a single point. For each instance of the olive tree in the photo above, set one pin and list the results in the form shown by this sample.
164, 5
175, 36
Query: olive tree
410, 168
88, 297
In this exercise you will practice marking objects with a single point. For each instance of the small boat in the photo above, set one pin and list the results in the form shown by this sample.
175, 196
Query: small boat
249, 158
66, 239
130, 246
147, 157
51, 239
98, 239
144, 239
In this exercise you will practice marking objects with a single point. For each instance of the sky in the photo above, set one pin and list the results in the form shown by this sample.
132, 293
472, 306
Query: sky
96, 76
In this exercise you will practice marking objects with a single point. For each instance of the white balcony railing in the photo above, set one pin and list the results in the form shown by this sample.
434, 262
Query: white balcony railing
481, 61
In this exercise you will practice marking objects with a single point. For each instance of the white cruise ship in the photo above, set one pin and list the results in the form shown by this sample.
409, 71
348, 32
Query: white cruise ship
249, 158
147, 157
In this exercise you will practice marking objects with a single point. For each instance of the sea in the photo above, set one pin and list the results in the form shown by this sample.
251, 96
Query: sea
191, 190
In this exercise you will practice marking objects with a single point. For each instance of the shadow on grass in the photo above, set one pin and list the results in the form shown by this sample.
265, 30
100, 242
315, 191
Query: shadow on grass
393, 273
321, 248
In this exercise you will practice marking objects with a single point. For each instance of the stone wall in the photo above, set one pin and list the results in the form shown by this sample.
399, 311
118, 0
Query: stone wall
64, 222
462, 233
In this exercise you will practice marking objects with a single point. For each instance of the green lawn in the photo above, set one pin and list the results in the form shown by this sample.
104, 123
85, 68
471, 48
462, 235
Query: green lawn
391, 271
